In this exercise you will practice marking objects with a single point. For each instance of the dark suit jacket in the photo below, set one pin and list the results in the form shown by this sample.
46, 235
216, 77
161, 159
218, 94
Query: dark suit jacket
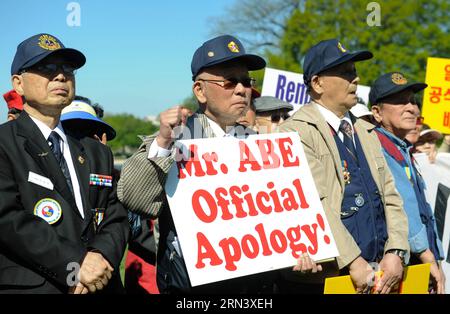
34, 255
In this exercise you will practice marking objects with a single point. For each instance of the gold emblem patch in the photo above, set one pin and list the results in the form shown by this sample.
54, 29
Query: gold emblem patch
398, 79
233, 47
341, 48
210, 54
49, 42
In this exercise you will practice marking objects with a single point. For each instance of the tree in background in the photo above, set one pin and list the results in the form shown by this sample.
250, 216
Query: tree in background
260, 24
191, 103
128, 127
410, 31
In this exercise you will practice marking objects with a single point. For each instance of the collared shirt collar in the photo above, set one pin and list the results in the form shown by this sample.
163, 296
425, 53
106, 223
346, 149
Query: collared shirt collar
45, 130
218, 131
333, 119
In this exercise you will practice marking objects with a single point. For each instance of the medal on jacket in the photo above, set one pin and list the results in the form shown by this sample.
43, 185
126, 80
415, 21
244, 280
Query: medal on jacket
81, 159
98, 215
359, 200
100, 180
345, 172
48, 209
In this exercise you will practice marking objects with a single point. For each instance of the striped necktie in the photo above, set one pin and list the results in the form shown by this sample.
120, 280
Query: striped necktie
55, 146
346, 129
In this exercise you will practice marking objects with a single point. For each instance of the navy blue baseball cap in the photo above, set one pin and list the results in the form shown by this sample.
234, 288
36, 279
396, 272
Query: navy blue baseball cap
34, 49
326, 55
390, 84
221, 49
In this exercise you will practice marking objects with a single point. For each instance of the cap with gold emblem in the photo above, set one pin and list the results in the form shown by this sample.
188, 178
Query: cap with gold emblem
37, 47
328, 54
392, 83
221, 49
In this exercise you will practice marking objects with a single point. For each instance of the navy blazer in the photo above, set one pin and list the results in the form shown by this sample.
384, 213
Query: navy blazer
36, 256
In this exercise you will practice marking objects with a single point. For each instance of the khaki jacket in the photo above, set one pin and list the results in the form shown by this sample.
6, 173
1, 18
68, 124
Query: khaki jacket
325, 164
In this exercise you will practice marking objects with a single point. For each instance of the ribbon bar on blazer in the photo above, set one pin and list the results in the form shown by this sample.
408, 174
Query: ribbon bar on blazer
99, 179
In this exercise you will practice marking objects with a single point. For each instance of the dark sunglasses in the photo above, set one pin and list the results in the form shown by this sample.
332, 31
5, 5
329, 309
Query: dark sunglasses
398, 100
230, 83
52, 69
278, 115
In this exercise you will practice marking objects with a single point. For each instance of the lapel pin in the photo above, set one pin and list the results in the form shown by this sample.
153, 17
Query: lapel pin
43, 154
81, 159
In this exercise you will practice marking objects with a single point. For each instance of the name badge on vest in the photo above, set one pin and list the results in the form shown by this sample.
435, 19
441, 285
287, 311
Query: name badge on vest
100, 180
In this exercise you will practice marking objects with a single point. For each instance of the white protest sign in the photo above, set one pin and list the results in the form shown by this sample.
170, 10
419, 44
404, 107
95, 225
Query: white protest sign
289, 86
285, 85
437, 179
242, 207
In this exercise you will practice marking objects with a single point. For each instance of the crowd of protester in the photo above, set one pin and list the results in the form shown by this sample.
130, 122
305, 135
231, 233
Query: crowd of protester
62, 201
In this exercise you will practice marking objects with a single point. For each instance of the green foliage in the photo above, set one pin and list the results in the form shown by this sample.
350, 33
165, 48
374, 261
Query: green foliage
128, 127
258, 23
191, 103
410, 31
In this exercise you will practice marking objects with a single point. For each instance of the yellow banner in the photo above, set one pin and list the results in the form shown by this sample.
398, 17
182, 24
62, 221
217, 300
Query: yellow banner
415, 281
436, 98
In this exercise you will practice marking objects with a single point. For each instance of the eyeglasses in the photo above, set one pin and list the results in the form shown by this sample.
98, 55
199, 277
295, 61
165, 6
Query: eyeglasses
230, 83
345, 71
51, 69
276, 116
399, 100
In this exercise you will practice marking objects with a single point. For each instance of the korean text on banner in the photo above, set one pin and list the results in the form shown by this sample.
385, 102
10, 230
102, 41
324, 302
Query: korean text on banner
436, 100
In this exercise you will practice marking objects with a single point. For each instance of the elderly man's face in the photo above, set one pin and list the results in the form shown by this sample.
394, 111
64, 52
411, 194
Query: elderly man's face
46, 90
338, 86
249, 118
224, 101
413, 135
397, 113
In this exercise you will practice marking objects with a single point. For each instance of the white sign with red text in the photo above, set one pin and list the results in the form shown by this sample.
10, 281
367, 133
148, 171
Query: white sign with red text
242, 207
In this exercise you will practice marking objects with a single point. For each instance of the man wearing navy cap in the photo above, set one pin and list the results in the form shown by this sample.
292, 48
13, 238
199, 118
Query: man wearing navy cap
356, 187
223, 88
395, 109
61, 228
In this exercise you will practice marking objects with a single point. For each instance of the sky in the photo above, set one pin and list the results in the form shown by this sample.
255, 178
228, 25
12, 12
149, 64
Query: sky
138, 51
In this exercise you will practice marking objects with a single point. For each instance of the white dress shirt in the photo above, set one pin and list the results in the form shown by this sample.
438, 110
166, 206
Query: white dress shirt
45, 130
335, 121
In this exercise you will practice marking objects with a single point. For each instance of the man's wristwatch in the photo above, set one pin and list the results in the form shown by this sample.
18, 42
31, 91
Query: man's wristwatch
399, 253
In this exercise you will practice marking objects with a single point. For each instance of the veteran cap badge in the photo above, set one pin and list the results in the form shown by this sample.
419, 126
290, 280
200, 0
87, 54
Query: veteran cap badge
233, 47
399, 79
341, 48
48, 42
